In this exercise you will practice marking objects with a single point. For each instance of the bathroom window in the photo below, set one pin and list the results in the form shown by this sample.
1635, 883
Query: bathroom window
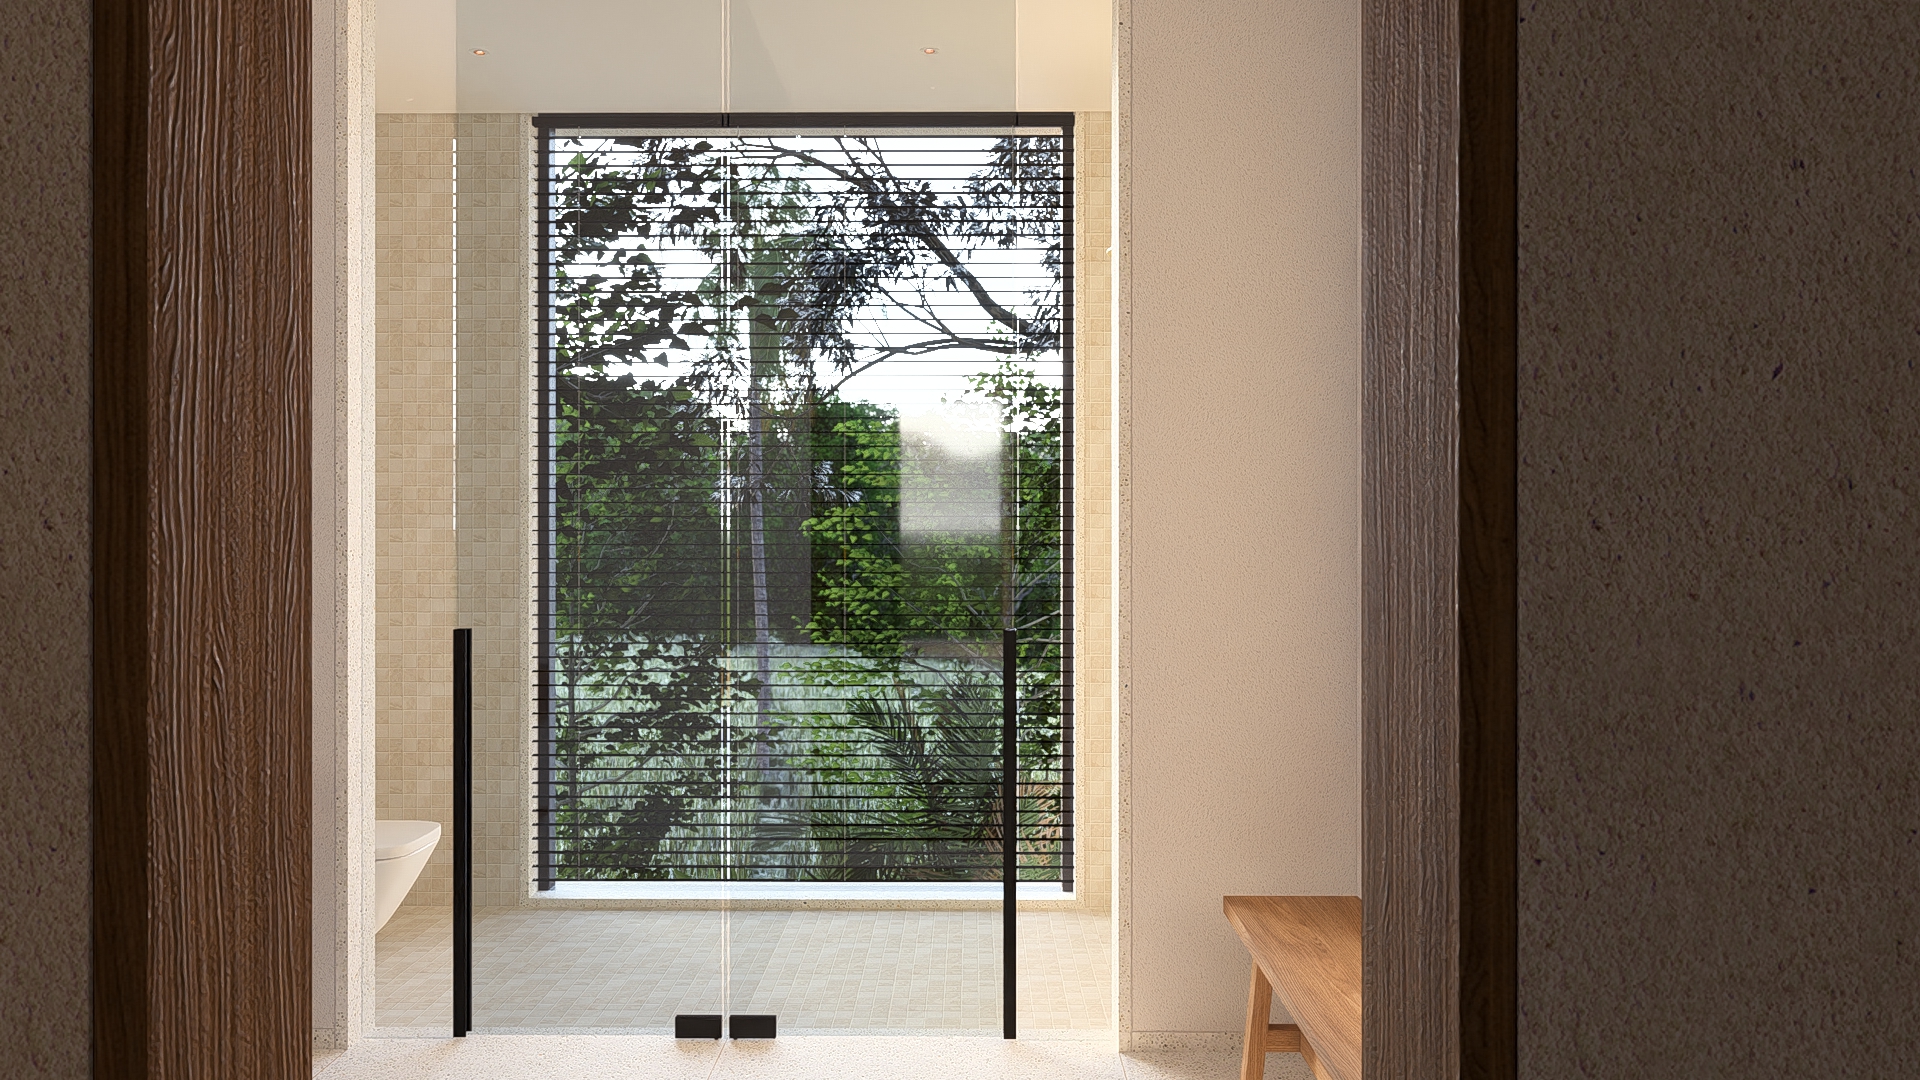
805, 426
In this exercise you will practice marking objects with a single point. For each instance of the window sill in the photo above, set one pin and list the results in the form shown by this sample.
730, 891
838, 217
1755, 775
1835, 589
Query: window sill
801, 893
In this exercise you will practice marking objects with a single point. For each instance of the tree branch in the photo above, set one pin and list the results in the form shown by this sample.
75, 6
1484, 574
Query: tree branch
916, 228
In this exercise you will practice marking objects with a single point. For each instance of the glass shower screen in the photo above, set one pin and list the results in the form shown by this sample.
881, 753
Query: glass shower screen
761, 461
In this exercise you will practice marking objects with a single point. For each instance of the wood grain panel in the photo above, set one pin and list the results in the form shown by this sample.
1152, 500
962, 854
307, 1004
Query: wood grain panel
1409, 424
120, 540
203, 536
1437, 549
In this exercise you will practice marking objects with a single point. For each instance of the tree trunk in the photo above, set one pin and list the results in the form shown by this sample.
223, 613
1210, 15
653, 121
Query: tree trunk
763, 354
757, 559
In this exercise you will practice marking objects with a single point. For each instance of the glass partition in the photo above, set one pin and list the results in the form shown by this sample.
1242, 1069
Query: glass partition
761, 451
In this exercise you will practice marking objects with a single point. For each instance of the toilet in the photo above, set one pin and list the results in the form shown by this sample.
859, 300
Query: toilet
401, 850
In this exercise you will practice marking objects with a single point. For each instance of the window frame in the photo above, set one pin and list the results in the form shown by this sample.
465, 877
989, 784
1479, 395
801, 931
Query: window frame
545, 395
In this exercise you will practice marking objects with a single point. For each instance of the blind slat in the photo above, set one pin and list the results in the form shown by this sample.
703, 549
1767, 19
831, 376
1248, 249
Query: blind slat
805, 410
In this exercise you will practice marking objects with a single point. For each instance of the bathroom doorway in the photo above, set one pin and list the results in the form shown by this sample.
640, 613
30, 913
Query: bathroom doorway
738, 432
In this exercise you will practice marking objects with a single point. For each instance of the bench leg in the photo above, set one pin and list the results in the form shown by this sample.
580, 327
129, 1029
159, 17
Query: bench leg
1313, 1060
1253, 1053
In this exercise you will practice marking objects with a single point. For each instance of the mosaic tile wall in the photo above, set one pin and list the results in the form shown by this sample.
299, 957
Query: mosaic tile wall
416, 598
494, 396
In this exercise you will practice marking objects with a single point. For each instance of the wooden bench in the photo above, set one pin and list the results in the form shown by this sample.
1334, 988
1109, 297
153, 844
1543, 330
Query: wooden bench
1306, 949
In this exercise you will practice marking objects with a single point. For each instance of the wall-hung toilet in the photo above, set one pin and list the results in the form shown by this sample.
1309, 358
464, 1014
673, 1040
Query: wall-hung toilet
401, 851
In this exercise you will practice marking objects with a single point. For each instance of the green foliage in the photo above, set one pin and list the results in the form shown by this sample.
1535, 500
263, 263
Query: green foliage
642, 677
909, 614
913, 779
858, 577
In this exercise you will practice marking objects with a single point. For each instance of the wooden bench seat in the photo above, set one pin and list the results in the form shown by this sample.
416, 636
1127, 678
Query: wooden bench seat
1306, 949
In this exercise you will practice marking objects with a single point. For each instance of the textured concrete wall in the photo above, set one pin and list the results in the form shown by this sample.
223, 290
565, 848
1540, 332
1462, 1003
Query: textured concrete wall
343, 519
1239, 512
1720, 539
415, 566
46, 484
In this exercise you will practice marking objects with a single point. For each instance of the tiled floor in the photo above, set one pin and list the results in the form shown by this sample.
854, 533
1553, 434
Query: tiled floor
820, 972
816, 1057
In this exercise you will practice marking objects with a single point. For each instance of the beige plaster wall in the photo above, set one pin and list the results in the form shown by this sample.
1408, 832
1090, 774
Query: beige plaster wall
415, 565
1093, 494
46, 482
494, 472
343, 520
1719, 441
1239, 473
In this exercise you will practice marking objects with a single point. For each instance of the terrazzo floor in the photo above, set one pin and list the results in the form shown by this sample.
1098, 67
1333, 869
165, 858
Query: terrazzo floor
820, 972
825, 1057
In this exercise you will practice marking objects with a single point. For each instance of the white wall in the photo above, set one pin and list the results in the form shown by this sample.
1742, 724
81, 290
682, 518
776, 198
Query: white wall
1238, 219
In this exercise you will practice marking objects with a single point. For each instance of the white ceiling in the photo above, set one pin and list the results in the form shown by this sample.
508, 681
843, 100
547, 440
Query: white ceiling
413, 56
787, 55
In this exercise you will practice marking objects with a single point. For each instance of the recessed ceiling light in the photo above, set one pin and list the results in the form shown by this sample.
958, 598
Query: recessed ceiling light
479, 52
929, 52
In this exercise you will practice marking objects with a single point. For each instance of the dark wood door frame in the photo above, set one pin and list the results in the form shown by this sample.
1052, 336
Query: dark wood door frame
1440, 269
202, 852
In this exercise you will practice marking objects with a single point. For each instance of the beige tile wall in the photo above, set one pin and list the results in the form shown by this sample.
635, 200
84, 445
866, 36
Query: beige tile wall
495, 453
415, 576
1093, 508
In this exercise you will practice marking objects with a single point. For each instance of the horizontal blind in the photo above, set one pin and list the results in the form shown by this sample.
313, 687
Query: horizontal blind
805, 454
